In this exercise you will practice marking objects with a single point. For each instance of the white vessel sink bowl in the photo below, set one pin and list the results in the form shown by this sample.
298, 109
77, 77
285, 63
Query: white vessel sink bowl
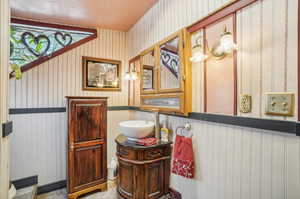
136, 129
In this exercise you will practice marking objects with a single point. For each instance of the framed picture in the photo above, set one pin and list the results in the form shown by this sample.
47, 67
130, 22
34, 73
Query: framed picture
148, 78
101, 74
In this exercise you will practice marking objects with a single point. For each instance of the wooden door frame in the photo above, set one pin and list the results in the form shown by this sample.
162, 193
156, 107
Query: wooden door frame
4, 81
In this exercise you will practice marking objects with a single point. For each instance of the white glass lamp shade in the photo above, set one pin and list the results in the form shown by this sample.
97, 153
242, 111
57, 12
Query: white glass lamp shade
134, 75
115, 82
127, 76
227, 43
198, 55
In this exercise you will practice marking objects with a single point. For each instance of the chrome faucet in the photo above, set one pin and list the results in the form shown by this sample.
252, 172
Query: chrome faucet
157, 126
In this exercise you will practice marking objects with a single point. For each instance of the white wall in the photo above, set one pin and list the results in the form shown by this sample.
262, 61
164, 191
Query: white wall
39, 140
231, 162
266, 37
47, 85
4, 66
39, 144
167, 17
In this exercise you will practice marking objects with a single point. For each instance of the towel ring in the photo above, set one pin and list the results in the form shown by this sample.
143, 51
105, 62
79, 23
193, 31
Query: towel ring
184, 130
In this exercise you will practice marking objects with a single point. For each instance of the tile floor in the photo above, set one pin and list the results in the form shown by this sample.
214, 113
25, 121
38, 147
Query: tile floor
62, 194
111, 193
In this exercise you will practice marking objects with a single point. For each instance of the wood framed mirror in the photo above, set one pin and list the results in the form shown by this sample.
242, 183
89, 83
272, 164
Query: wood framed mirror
101, 74
171, 64
166, 75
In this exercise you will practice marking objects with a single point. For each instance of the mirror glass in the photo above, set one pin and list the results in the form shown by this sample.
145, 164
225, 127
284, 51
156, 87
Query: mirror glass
101, 74
163, 102
148, 61
170, 64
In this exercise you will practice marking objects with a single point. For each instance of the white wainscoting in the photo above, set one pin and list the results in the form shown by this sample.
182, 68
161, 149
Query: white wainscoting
39, 144
238, 163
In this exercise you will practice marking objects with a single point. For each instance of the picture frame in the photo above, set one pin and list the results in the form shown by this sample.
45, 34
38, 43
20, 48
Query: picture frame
101, 74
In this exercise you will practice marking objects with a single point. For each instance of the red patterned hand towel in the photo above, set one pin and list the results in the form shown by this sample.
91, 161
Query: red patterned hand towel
183, 160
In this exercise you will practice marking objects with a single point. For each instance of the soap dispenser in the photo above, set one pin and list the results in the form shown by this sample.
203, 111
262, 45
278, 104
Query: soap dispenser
164, 133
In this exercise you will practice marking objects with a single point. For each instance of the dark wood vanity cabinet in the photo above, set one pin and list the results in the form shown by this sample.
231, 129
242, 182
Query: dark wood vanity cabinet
87, 159
144, 172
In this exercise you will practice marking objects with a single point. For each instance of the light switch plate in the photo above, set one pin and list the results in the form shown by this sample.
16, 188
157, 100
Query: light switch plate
280, 104
245, 103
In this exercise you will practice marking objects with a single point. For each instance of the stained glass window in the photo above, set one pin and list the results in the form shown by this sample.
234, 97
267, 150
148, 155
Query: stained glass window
29, 43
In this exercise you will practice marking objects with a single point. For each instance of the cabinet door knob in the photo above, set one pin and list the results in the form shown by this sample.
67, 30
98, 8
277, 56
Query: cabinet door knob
154, 153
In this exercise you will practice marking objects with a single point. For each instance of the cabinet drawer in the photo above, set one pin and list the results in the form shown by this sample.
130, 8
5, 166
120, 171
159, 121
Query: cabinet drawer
154, 154
126, 153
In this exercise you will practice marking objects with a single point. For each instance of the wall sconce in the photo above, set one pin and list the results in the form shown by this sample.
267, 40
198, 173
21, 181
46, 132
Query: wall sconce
225, 46
134, 75
131, 74
218, 51
197, 52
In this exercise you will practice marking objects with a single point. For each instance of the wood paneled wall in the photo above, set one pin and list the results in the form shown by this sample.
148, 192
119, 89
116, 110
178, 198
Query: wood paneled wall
47, 84
238, 163
220, 74
266, 36
267, 55
4, 67
39, 140
235, 162
38, 147
232, 162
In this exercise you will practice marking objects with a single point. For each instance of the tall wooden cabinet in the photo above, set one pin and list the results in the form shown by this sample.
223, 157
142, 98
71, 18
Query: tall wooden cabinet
87, 147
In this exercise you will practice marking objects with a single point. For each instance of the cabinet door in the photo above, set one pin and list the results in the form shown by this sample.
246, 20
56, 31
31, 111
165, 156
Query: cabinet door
154, 174
88, 120
126, 182
87, 167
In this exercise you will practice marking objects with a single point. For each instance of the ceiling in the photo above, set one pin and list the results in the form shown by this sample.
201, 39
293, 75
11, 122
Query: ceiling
109, 14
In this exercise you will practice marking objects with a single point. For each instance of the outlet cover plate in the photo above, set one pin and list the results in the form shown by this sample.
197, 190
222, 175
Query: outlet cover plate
245, 103
280, 104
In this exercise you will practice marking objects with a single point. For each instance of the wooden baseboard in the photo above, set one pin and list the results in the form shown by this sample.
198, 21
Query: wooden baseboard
102, 187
